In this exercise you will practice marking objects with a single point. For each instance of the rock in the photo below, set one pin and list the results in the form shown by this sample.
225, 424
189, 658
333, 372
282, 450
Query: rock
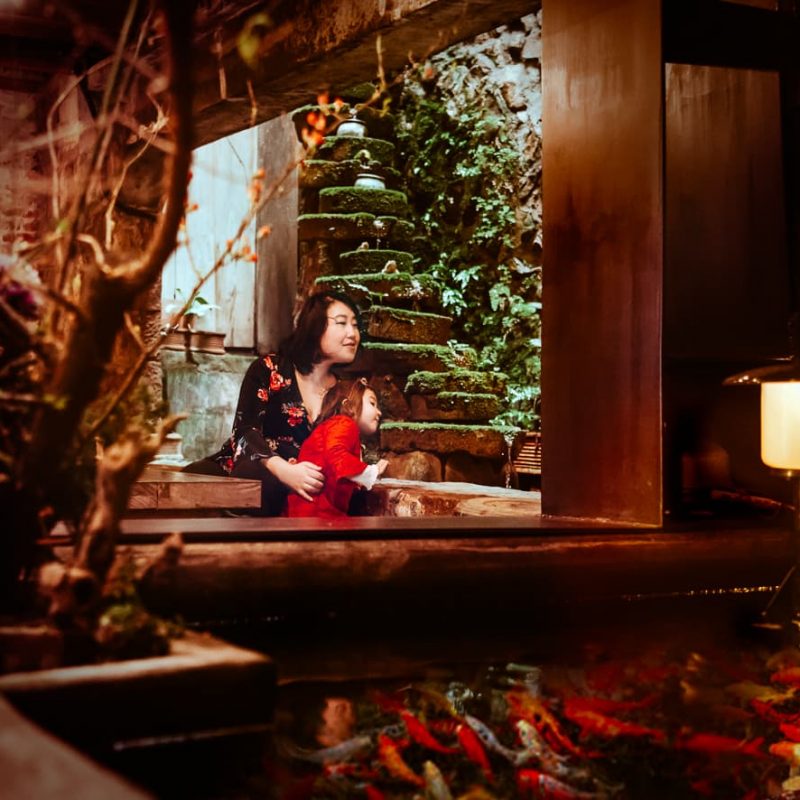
456, 381
533, 47
414, 466
514, 40
466, 468
392, 401
413, 327
513, 83
398, 288
353, 226
440, 437
402, 359
341, 148
352, 199
454, 406
530, 22
365, 261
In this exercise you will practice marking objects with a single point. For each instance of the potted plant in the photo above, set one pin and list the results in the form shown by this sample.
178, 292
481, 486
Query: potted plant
186, 335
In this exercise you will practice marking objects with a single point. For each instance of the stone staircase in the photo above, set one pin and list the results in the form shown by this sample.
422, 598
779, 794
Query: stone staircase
358, 240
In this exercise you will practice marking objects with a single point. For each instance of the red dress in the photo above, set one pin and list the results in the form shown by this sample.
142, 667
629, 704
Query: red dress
335, 446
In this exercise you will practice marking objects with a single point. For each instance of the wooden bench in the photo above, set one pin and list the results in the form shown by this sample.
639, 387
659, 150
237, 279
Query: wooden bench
160, 489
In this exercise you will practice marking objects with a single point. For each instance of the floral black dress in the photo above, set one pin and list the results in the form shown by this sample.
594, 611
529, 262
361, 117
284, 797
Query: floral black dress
270, 420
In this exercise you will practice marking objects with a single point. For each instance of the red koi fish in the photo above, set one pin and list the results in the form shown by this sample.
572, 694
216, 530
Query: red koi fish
713, 743
388, 702
372, 793
524, 706
790, 731
349, 770
545, 787
592, 723
391, 759
790, 676
420, 734
768, 712
603, 705
474, 749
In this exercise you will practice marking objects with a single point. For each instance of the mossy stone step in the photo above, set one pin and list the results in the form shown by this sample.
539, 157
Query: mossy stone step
441, 437
366, 261
397, 288
341, 148
354, 226
381, 358
357, 93
456, 406
317, 174
412, 327
352, 199
380, 123
461, 380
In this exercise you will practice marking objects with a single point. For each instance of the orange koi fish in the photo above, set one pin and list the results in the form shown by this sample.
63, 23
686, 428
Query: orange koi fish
713, 743
524, 706
789, 676
420, 734
391, 759
474, 749
545, 787
591, 722
788, 751
768, 712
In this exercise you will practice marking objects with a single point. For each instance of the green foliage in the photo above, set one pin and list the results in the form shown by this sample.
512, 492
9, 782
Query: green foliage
462, 174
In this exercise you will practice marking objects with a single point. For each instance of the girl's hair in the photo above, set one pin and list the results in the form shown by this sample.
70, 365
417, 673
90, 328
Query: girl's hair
301, 347
347, 398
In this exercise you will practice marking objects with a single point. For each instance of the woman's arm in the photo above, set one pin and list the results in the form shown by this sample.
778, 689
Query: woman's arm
253, 398
305, 478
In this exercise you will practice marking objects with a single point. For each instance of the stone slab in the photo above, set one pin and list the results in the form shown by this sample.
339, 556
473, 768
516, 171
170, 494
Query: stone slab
354, 199
478, 440
341, 148
358, 226
455, 406
160, 489
375, 261
415, 466
317, 174
398, 288
457, 381
411, 327
400, 359
408, 498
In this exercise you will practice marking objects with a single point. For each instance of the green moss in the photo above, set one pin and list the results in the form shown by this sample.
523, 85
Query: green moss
408, 316
340, 148
464, 358
352, 226
352, 199
317, 174
438, 426
358, 93
416, 291
366, 261
460, 380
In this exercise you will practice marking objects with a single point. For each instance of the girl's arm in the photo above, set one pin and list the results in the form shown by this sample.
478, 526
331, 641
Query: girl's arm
342, 446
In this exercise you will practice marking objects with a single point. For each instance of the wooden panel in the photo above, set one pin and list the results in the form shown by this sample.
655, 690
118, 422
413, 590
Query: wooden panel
222, 172
276, 286
603, 230
165, 490
726, 285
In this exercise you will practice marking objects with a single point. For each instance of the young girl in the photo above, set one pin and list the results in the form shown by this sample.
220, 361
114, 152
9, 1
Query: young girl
335, 446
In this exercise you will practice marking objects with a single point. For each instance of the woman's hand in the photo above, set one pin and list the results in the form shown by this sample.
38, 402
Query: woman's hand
302, 477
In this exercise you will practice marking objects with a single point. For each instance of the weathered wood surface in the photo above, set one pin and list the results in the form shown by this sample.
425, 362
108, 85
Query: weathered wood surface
202, 684
160, 489
240, 567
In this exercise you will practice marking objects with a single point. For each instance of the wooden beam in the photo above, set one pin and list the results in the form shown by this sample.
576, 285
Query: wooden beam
332, 43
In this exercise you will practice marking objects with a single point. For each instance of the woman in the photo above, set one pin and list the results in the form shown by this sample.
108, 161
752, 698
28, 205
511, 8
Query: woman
280, 398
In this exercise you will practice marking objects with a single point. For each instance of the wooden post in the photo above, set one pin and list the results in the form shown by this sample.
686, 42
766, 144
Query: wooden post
276, 272
603, 234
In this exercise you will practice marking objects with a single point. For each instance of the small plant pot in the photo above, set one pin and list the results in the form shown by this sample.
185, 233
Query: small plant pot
197, 341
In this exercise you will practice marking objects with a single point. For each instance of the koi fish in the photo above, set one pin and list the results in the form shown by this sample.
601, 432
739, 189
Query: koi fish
391, 759
791, 732
790, 676
524, 706
487, 737
474, 750
535, 747
436, 787
349, 770
339, 752
373, 793
770, 714
387, 702
749, 691
420, 734
546, 787
713, 743
788, 751
591, 722
476, 793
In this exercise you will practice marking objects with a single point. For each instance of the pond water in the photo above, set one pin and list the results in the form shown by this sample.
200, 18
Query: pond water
643, 700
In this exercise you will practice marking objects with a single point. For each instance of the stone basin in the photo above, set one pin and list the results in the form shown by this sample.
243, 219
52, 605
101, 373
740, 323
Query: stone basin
351, 199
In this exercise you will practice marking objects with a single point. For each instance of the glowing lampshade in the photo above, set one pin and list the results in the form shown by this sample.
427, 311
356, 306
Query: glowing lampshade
780, 424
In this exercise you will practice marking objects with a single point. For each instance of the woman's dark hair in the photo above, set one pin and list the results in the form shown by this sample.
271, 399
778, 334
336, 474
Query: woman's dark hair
301, 347
346, 397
